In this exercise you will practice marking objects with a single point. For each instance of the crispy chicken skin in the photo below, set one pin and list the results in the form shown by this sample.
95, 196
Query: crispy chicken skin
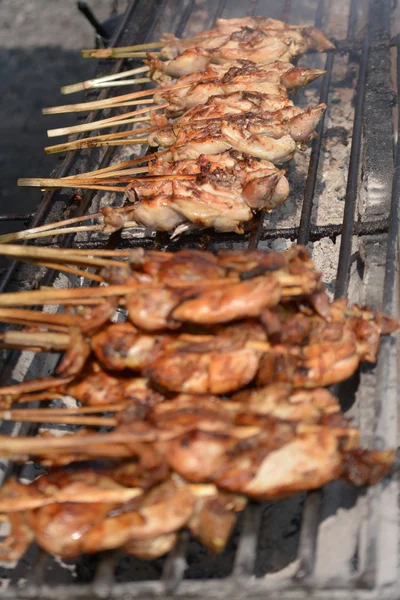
273, 80
253, 40
227, 189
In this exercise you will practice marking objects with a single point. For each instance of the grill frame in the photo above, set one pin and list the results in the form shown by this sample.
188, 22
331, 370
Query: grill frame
373, 578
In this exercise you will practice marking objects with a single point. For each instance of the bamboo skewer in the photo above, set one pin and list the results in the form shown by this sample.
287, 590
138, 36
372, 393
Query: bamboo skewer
125, 163
34, 317
61, 296
98, 183
76, 410
110, 139
89, 127
114, 101
89, 83
67, 269
55, 255
45, 340
98, 124
117, 120
83, 106
106, 143
34, 386
116, 52
122, 82
110, 121
10, 415
123, 172
20, 235
64, 230
65, 183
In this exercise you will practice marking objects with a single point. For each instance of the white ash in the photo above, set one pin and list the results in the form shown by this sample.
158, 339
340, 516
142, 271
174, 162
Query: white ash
325, 255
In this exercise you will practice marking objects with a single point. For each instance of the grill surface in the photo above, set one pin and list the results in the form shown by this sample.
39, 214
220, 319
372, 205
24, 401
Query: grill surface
337, 542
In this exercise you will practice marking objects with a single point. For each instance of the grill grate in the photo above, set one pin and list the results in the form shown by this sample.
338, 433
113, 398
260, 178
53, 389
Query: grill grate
348, 543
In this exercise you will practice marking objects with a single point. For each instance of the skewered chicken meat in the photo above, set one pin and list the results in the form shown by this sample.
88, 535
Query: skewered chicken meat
221, 199
310, 351
258, 135
229, 104
228, 187
188, 330
255, 43
308, 38
70, 528
314, 37
273, 80
145, 526
293, 121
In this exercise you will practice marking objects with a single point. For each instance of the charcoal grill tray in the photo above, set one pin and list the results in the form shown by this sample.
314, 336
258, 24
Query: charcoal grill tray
348, 544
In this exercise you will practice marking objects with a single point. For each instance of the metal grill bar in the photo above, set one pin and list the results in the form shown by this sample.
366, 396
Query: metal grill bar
241, 584
383, 538
343, 272
16, 216
309, 193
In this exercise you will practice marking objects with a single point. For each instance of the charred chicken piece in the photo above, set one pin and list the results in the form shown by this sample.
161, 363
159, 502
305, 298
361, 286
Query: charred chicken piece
228, 188
290, 121
145, 528
306, 38
310, 351
271, 81
254, 42
258, 135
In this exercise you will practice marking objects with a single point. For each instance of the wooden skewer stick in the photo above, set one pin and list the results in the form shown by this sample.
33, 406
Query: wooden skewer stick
52, 341
83, 107
11, 415
120, 119
88, 126
103, 84
34, 317
115, 101
126, 163
82, 144
97, 184
55, 255
122, 82
59, 296
20, 235
63, 231
67, 269
65, 183
115, 52
116, 174
85, 85
35, 385
77, 410
99, 443
97, 141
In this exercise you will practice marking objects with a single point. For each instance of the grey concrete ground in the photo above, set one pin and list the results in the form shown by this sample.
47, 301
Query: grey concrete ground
39, 51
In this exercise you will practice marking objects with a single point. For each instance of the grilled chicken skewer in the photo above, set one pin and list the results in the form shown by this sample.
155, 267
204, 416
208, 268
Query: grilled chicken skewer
266, 444
249, 44
274, 80
235, 74
229, 187
316, 342
305, 38
271, 136
144, 527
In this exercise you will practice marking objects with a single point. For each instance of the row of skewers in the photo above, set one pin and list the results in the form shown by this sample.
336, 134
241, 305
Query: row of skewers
226, 127
210, 393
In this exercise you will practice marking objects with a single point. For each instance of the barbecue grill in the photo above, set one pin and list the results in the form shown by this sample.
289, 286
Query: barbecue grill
337, 542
